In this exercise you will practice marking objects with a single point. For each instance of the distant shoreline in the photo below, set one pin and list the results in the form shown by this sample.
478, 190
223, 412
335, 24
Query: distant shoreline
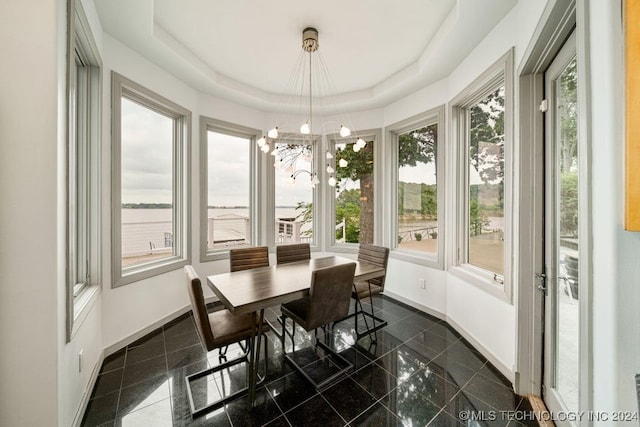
169, 206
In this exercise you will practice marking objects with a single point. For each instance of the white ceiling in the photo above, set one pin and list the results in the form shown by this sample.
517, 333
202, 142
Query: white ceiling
376, 51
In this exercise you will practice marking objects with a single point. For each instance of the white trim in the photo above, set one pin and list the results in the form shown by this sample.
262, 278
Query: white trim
500, 73
554, 27
505, 370
208, 124
86, 393
181, 146
430, 117
374, 135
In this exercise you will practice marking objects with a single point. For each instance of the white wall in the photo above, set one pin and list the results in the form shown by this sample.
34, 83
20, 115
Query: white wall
30, 278
616, 270
481, 317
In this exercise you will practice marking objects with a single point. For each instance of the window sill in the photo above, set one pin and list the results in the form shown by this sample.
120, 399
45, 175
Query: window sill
419, 258
145, 271
82, 305
480, 279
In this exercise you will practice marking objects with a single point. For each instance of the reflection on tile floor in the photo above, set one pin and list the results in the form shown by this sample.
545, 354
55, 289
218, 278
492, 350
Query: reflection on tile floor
420, 372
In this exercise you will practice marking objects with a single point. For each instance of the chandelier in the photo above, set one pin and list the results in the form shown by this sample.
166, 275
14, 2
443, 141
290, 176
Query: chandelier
291, 149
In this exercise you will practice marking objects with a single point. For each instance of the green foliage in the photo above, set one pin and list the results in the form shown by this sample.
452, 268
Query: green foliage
424, 196
569, 204
305, 216
348, 208
486, 139
478, 220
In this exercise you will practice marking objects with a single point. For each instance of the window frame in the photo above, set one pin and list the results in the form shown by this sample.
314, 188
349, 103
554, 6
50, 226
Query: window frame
433, 116
332, 139
500, 73
83, 176
181, 171
219, 126
316, 143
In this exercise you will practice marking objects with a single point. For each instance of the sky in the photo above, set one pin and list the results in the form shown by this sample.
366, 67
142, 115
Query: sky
147, 165
146, 154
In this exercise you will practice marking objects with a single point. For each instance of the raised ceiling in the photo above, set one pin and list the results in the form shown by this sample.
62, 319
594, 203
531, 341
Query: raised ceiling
377, 51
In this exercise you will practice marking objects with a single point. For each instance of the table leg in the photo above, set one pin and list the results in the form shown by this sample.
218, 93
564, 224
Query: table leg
254, 357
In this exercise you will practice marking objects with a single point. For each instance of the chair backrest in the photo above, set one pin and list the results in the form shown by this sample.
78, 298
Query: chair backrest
376, 255
293, 253
248, 258
199, 308
330, 294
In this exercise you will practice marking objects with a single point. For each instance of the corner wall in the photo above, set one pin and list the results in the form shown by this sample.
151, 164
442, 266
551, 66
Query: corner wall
30, 278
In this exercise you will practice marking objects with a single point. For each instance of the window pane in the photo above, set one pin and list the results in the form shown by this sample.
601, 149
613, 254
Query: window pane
146, 184
354, 193
228, 190
486, 183
417, 190
293, 193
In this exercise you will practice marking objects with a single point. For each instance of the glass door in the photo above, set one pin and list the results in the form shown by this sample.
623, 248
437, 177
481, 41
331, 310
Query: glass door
562, 243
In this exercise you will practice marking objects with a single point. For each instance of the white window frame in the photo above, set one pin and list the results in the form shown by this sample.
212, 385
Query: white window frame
83, 195
374, 135
121, 86
497, 75
427, 118
300, 139
219, 126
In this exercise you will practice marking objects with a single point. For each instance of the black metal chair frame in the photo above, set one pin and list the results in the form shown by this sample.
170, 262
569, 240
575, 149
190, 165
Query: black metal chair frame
359, 309
226, 399
317, 343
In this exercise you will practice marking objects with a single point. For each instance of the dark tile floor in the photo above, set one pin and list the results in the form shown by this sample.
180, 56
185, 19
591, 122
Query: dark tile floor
420, 372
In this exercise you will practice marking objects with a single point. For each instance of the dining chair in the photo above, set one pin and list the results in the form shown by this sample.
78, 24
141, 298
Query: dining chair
248, 258
376, 255
292, 253
216, 330
328, 301
286, 254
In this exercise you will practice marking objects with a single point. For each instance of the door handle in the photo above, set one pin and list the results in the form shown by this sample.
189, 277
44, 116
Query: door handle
541, 278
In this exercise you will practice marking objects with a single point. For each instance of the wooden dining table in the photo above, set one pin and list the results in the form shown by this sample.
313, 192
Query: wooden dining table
251, 291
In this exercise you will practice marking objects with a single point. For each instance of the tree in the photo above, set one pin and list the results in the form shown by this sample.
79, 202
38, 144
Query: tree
418, 146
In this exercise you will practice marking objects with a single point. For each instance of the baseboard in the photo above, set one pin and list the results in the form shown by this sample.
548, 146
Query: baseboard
504, 370
414, 304
144, 331
86, 394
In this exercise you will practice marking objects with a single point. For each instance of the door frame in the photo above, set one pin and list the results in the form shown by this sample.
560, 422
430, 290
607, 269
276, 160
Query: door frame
558, 21
552, 178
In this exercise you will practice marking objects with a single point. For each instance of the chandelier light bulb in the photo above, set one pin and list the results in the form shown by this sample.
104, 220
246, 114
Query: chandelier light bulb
315, 181
274, 152
273, 133
261, 141
360, 142
356, 148
305, 129
344, 131
265, 148
292, 180
332, 182
329, 155
329, 169
343, 163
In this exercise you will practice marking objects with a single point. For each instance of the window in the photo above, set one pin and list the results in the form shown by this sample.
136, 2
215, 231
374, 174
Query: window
352, 186
417, 146
294, 190
150, 177
83, 163
482, 125
227, 171
485, 182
